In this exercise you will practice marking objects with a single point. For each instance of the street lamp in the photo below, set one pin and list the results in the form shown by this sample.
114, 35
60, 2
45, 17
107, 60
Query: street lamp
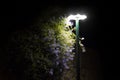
77, 18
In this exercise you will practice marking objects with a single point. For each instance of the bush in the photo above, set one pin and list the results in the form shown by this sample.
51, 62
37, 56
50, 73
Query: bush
42, 52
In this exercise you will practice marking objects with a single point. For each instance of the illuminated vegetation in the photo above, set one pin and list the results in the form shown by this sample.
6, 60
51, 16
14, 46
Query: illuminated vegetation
42, 52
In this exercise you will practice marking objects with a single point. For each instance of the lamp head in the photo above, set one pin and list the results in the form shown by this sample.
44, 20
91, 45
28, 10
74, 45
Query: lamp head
76, 17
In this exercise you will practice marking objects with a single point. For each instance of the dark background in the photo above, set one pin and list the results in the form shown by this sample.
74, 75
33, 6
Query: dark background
100, 32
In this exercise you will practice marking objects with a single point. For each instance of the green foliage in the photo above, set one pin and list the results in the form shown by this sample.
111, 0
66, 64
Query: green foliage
30, 54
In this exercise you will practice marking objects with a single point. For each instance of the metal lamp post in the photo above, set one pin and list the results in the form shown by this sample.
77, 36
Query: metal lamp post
77, 18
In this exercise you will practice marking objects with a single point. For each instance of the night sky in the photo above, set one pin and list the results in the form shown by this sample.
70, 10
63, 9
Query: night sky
100, 30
